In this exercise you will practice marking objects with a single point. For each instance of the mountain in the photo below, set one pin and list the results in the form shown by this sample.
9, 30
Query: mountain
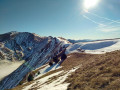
80, 71
25, 56
35, 50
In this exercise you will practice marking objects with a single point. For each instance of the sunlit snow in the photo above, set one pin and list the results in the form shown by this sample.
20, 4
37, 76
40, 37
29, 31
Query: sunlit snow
95, 47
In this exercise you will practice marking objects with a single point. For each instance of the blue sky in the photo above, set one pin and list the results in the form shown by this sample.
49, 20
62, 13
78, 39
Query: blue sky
61, 18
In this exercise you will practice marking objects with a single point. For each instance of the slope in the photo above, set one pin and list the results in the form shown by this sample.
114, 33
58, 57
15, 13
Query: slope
36, 51
98, 72
89, 72
95, 47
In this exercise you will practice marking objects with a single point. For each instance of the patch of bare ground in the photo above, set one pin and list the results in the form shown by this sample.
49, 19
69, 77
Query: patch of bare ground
98, 72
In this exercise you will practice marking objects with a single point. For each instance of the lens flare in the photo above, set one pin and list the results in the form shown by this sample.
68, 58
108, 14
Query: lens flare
90, 3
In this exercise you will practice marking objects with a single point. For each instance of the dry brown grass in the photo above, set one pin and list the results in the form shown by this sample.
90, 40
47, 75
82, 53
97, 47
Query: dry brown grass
98, 72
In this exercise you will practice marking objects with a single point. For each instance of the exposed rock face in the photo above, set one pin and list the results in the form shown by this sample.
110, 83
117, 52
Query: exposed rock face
35, 50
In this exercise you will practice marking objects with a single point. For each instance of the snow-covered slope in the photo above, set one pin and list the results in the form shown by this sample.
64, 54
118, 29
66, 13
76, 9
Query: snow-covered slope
95, 47
35, 50
55, 84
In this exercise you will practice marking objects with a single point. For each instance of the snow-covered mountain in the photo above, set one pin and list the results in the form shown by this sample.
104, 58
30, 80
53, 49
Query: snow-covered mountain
28, 52
35, 50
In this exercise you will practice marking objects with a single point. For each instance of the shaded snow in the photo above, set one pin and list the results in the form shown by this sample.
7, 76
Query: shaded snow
95, 47
48, 69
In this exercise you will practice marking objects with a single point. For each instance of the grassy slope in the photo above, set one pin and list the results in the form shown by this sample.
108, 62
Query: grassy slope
98, 72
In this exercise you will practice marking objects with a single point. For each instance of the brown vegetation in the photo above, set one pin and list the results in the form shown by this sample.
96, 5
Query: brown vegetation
98, 72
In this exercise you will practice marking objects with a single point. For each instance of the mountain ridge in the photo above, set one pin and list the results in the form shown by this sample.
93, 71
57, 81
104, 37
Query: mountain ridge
36, 50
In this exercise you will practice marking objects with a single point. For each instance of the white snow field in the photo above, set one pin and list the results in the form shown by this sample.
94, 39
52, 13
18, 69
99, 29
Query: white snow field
95, 47
7, 67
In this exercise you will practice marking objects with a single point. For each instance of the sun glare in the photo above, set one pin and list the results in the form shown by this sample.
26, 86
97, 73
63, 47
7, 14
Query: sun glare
90, 3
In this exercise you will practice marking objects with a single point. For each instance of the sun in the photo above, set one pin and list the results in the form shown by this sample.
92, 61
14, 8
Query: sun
90, 3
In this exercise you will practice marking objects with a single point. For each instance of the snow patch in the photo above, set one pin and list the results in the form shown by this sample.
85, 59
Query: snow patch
57, 84
48, 69
95, 47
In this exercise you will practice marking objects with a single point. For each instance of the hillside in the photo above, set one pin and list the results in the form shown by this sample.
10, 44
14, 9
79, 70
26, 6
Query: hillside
98, 72
26, 57
35, 50
80, 71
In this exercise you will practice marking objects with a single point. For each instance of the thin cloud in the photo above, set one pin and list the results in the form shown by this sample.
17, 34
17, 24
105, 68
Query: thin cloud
112, 21
104, 27
110, 29
92, 20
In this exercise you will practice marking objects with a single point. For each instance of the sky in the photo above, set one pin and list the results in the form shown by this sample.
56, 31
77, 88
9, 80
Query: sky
71, 19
